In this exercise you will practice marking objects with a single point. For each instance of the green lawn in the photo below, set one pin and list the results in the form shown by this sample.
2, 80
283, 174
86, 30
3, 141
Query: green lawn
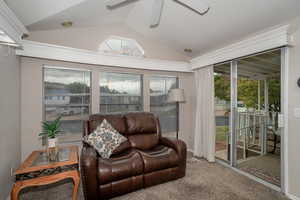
221, 133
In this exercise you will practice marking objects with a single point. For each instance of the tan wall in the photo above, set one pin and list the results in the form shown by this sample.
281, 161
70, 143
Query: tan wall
10, 152
31, 95
293, 145
91, 38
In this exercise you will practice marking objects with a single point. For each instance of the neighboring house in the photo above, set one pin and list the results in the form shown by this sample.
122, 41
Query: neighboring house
59, 97
56, 94
58, 100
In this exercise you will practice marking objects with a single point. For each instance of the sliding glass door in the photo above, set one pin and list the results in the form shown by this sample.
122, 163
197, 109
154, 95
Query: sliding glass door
222, 110
247, 108
258, 134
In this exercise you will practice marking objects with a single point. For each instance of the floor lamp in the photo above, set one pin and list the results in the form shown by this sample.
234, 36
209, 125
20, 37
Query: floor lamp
176, 96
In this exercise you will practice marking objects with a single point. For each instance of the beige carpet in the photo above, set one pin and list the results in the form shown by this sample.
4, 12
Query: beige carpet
203, 181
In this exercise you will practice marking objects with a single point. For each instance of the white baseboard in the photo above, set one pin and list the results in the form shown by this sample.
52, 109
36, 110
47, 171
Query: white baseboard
292, 196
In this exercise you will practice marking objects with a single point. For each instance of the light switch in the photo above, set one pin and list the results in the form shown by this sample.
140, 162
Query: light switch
297, 112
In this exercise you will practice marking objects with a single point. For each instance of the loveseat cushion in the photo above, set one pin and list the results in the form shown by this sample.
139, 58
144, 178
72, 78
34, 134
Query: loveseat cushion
159, 158
143, 130
140, 123
121, 166
144, 141
122, 147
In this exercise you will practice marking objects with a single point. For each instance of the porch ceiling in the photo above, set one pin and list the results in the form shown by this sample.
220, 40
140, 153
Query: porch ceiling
262, 66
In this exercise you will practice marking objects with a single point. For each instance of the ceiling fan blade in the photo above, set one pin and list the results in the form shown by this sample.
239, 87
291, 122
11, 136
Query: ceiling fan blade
196, 5
156, 13
114, 3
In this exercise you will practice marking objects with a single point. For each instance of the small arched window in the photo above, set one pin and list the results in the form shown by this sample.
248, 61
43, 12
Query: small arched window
121, 46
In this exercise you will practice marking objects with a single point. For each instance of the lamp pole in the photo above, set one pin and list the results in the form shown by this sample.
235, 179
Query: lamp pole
176, 96
177, 124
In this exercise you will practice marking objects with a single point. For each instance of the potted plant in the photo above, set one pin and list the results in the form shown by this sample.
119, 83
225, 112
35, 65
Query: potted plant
51, 130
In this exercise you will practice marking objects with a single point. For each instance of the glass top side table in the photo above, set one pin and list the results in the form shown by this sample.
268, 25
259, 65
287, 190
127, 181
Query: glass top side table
37, 170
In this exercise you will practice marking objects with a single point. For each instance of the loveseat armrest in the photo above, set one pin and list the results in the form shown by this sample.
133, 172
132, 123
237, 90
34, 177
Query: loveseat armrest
88, 166
180, 147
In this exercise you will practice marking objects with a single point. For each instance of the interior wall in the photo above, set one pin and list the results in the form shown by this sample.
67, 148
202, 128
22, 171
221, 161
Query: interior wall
91, 38
10, 152
293, 146
32, 108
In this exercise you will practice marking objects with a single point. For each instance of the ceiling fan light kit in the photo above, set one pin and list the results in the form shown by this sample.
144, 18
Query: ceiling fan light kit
197, 6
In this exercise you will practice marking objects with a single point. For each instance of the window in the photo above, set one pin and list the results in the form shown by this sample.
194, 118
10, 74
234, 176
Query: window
121, 46
167, 112
120, 92
67, 94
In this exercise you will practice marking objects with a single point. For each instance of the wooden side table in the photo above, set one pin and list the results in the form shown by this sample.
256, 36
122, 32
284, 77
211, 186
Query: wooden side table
36, 170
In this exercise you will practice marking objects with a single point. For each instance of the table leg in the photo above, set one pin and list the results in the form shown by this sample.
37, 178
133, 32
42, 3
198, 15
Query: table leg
76, 180
15, 192
45, 180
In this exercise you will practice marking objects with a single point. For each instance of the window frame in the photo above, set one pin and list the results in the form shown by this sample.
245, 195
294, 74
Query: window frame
144, 78
118, 72
69, 137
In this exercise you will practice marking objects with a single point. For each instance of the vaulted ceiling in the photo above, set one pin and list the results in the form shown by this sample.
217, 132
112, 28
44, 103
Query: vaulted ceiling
226, 22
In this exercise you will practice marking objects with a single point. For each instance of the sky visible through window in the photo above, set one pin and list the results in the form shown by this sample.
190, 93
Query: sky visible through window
123, 83
64, 76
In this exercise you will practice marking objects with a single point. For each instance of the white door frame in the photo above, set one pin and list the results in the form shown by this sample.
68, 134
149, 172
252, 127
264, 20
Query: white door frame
233, 112
284, 111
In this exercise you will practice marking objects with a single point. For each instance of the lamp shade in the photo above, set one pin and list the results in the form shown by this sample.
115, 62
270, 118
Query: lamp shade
176, 95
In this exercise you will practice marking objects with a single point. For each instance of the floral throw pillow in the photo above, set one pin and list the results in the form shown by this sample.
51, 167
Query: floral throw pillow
105, 139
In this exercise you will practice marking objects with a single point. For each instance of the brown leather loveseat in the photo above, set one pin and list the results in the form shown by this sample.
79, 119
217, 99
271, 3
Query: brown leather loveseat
146, 159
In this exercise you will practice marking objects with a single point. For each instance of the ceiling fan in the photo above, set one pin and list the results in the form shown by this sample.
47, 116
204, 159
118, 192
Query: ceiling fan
194, 5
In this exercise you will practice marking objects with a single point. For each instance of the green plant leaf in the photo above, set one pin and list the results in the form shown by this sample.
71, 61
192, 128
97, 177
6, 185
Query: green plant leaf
51, 129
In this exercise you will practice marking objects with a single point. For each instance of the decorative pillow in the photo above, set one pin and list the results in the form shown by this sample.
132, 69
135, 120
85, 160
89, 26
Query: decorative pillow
105, 139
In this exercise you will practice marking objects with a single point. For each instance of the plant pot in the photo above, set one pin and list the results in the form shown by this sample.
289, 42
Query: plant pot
52, 149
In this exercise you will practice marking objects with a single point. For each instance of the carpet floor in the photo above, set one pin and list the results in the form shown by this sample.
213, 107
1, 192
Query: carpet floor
203, 180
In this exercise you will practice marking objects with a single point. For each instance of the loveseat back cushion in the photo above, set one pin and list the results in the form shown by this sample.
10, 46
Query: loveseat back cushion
144, 141
140, 123
116, 120
143, 130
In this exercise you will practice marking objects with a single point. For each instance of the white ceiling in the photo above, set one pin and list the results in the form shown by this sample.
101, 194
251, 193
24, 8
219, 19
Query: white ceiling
226, 22
32, 11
